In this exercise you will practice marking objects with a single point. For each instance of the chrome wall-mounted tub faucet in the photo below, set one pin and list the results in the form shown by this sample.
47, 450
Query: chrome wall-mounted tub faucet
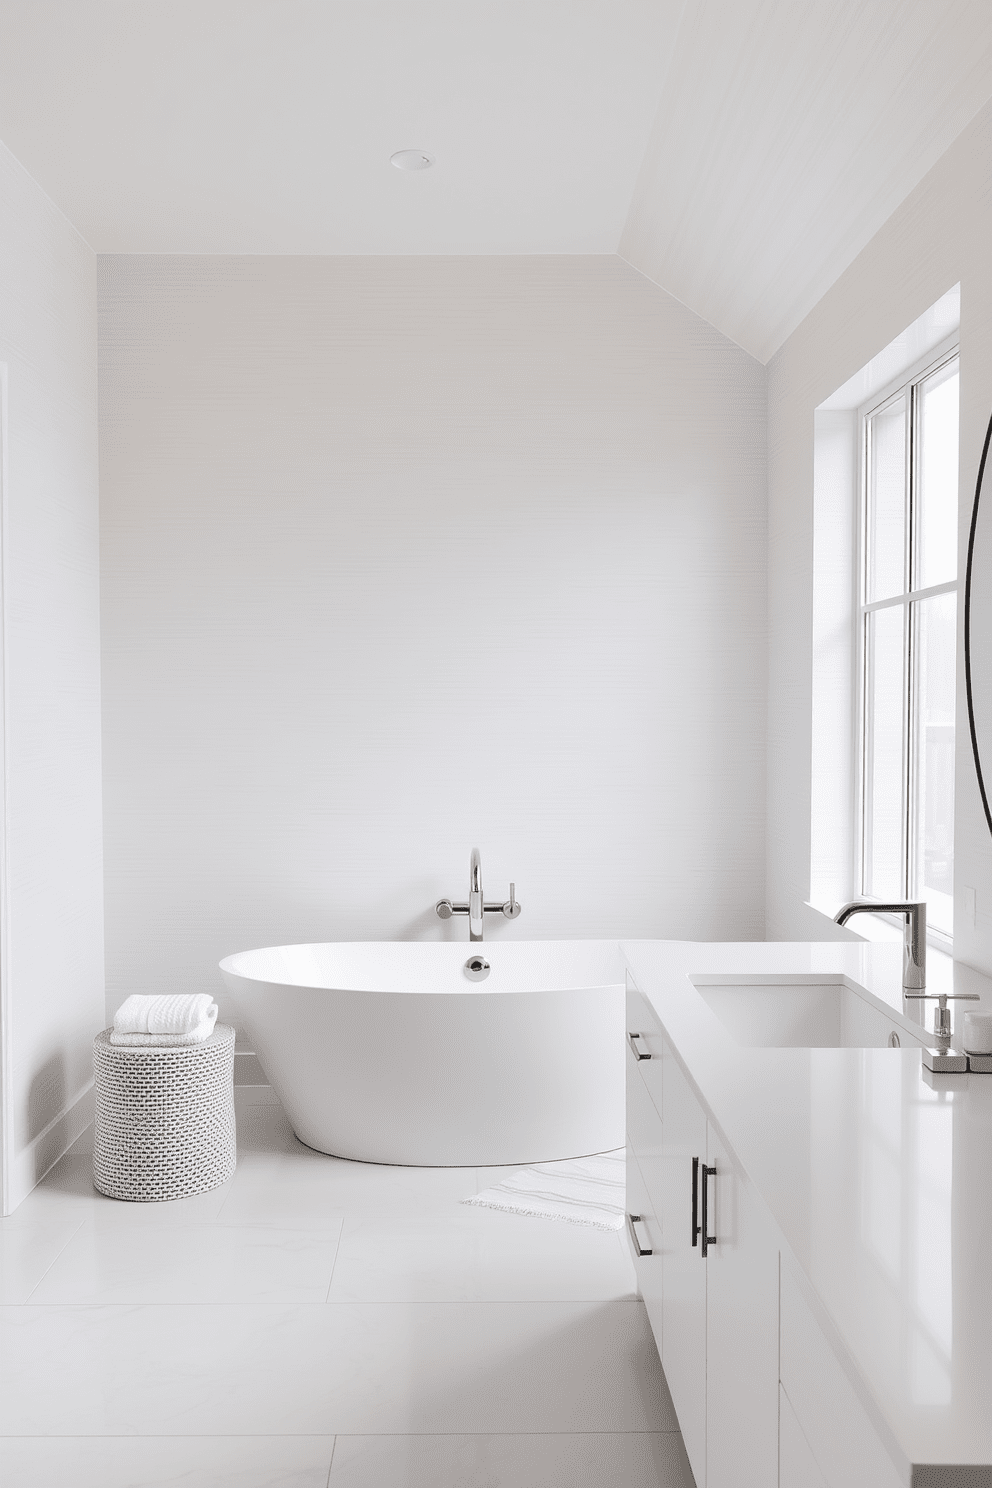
477, 908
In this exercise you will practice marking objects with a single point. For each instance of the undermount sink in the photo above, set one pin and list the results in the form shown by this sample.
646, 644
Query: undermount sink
800, 1015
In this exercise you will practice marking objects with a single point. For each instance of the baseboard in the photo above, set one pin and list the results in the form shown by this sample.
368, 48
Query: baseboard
247, 1069
29, 1166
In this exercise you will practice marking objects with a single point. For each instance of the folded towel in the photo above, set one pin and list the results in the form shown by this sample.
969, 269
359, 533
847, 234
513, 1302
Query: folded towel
164, 1020
199, 1035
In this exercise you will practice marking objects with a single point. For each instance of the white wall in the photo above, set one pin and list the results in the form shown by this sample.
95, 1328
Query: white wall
51, 925
406, 555
939, 236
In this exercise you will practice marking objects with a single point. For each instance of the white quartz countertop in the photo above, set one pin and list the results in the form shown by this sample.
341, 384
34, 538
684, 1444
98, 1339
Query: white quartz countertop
877, 1173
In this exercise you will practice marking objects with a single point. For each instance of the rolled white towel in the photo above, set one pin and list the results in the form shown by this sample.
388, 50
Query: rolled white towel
199, 1035
164, 1021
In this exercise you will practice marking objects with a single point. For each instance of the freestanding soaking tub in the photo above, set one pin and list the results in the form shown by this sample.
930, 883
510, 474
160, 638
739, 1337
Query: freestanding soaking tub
387, 1052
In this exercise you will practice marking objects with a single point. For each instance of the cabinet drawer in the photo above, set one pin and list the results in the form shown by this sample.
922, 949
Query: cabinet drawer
841, 1438
644, 1044
648, 1234
645, 1141
643, 1114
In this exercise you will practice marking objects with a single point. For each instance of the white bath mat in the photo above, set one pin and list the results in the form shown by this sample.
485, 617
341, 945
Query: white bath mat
583, 1190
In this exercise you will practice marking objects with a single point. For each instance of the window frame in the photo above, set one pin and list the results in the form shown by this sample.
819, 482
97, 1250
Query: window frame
907, 383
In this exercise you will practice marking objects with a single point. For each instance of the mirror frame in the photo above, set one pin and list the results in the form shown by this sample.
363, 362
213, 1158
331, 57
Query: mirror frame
967, 625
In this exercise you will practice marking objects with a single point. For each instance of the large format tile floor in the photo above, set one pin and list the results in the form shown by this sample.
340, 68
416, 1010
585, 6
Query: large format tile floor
321, 1324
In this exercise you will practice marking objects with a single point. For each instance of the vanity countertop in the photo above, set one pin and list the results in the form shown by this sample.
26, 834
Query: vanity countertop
877, 1173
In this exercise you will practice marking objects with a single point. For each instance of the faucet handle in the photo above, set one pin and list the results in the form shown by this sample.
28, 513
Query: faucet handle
444, 909
942, 1013
512, 906
944, 996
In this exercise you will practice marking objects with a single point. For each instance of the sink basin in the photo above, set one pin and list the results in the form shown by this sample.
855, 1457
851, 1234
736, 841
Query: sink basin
800, 1015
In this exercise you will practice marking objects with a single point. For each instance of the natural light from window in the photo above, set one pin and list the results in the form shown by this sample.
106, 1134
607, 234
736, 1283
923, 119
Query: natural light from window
908, 637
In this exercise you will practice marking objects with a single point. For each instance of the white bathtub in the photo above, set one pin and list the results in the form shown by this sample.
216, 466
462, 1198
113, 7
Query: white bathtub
386, 1052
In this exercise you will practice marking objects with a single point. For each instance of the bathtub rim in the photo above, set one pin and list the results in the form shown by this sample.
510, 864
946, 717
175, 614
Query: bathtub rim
451, 954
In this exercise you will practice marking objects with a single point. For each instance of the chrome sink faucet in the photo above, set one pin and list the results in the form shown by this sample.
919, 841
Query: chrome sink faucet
477, 908
914, 959
914, 937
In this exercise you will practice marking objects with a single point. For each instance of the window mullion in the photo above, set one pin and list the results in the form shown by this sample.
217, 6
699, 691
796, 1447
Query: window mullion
912, 752
866, 754
910, 802
950, 587
909, 642
864, 711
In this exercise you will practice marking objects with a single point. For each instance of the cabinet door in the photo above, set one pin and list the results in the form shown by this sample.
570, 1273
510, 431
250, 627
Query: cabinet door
797, 1466
684, 1304
842, 1439
741, 1332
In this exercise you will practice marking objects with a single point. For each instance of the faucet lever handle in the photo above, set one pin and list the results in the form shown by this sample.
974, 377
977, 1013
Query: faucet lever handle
444, 909
512, 906
944, 996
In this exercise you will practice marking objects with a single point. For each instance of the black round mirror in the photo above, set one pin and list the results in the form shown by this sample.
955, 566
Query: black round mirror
978, 627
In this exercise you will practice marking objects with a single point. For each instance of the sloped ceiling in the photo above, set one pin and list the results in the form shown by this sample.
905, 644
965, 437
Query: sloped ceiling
788, 131
737, 152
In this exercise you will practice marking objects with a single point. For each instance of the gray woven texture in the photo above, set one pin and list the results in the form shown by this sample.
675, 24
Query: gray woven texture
164, 1118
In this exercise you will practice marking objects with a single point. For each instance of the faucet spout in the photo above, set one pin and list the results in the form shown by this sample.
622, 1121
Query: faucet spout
914, 940
476, 901
914, 962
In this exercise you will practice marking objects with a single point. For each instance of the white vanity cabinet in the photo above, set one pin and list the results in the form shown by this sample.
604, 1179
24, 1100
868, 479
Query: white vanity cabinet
838, 1332
718, 1334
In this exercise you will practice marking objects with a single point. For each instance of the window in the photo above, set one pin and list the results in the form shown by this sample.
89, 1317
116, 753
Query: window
908, 626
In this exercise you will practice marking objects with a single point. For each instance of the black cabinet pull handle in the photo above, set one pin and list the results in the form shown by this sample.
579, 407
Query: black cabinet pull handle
639, 1249
695, 1201
708, 1239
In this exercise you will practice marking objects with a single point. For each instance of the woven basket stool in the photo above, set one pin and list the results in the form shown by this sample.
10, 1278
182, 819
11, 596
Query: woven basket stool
164, 1118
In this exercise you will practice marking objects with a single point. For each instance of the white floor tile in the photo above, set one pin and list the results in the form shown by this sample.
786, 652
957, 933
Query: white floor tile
463, 1348
477, 1255
356, 1368
209, 1263
310, 1188
589, 1460
194, 1462
26, 1253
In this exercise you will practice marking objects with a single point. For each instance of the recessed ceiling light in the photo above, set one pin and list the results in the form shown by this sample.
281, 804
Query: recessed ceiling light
412, 160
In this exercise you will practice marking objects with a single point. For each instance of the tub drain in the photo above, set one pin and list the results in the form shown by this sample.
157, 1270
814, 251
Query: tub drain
477, 968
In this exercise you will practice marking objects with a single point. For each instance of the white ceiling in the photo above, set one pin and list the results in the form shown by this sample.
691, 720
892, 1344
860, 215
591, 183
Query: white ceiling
266, 126
738, 152
788, 131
